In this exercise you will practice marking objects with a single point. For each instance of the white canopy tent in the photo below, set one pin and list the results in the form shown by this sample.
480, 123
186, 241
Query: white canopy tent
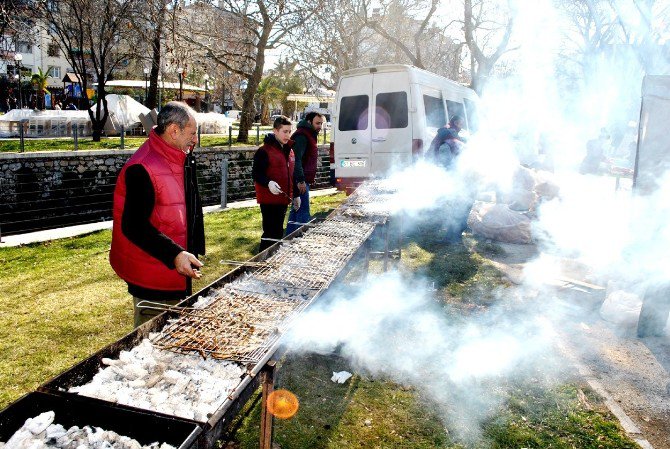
123, 111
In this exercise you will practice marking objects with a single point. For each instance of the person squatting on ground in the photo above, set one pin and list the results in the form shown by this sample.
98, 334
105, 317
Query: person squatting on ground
449, 134
272, 172
444, 151
306, 150
158, 229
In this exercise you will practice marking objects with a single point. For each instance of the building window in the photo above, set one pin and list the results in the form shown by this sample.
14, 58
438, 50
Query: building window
54, 72
53, 50
24, 47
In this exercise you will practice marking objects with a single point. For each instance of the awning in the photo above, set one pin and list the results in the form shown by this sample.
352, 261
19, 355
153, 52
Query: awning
71, 78
140, 84
312, 98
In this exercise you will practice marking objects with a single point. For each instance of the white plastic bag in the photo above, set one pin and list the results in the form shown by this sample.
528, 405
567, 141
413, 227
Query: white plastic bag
621, 308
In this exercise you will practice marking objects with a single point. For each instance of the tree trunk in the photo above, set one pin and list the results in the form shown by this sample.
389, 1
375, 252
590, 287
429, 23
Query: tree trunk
254, 80
152, 100
100, 118
247, 114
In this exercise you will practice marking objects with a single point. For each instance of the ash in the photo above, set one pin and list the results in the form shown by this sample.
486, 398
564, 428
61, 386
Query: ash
175, 384
40, 432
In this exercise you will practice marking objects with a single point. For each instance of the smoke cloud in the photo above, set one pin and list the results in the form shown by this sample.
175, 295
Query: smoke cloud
547, 110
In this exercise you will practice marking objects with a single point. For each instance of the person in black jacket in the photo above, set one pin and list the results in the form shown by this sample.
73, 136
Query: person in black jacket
306, 160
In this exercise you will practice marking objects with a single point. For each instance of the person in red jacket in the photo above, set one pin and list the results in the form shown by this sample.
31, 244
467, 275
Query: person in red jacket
272, 171
158, 226
306, 157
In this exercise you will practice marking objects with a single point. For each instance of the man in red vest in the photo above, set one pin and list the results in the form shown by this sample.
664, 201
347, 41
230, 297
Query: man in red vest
158, 226
306, 156
272, 172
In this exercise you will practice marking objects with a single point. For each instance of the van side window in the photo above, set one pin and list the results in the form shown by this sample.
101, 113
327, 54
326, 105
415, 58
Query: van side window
353, 113
435, 113
391, 110
473, 118
456, 108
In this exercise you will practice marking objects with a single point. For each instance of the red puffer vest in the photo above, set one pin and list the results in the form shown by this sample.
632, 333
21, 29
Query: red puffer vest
311, 155
280, 170
165, 166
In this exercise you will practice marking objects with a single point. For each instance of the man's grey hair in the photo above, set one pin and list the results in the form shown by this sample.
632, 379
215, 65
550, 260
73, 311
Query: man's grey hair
174, 112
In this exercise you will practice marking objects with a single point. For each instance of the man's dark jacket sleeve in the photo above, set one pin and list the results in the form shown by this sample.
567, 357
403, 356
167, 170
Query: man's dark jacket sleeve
299, 149
135, 223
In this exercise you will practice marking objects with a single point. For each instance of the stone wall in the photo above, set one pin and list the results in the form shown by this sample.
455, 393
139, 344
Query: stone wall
47, 190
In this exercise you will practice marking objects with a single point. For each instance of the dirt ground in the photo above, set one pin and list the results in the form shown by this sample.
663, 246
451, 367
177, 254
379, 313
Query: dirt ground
632, 374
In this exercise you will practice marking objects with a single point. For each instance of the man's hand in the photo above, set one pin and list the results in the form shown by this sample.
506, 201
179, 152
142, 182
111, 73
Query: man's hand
302, 187
274, 188
297, 202
185, 262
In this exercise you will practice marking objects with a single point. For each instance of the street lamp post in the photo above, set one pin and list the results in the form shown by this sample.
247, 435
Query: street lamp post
18, 57
206, 77
180, 71
223, 98
146, 85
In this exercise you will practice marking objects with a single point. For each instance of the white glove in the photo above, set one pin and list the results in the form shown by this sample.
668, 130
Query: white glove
274, 188
296, 203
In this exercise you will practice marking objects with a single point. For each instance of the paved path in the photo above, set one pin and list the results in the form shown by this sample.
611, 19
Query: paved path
72, 231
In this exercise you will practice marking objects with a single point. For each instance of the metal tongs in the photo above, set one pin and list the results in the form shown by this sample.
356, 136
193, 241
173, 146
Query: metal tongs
162, 307
285, 194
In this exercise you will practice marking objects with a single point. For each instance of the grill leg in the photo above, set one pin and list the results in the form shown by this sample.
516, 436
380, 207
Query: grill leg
267, 384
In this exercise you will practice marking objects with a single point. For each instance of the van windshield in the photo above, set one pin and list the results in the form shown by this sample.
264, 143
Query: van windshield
353, 114
391, 110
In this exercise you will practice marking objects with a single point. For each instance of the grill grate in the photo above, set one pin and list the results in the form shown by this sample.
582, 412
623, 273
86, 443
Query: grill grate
247, 317
238, 325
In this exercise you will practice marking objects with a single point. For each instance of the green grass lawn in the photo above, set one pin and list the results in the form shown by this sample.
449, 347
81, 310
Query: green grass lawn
62, 302
114, 143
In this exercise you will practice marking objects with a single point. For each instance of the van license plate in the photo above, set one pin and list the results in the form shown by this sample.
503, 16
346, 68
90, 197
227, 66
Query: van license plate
360, 163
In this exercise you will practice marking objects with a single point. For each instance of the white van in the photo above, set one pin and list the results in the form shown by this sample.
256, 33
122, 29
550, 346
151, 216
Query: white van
387, 115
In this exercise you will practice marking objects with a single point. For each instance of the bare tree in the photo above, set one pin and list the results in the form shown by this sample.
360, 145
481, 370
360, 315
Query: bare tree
392, 18
237, 33
602, 29
332, 41
92, 35
357, 33
487, 31
149, 21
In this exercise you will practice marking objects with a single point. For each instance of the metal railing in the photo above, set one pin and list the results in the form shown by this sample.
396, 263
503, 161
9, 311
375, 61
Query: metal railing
35, 201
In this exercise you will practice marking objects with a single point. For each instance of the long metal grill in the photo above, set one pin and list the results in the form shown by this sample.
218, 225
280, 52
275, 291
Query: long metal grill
246, 317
